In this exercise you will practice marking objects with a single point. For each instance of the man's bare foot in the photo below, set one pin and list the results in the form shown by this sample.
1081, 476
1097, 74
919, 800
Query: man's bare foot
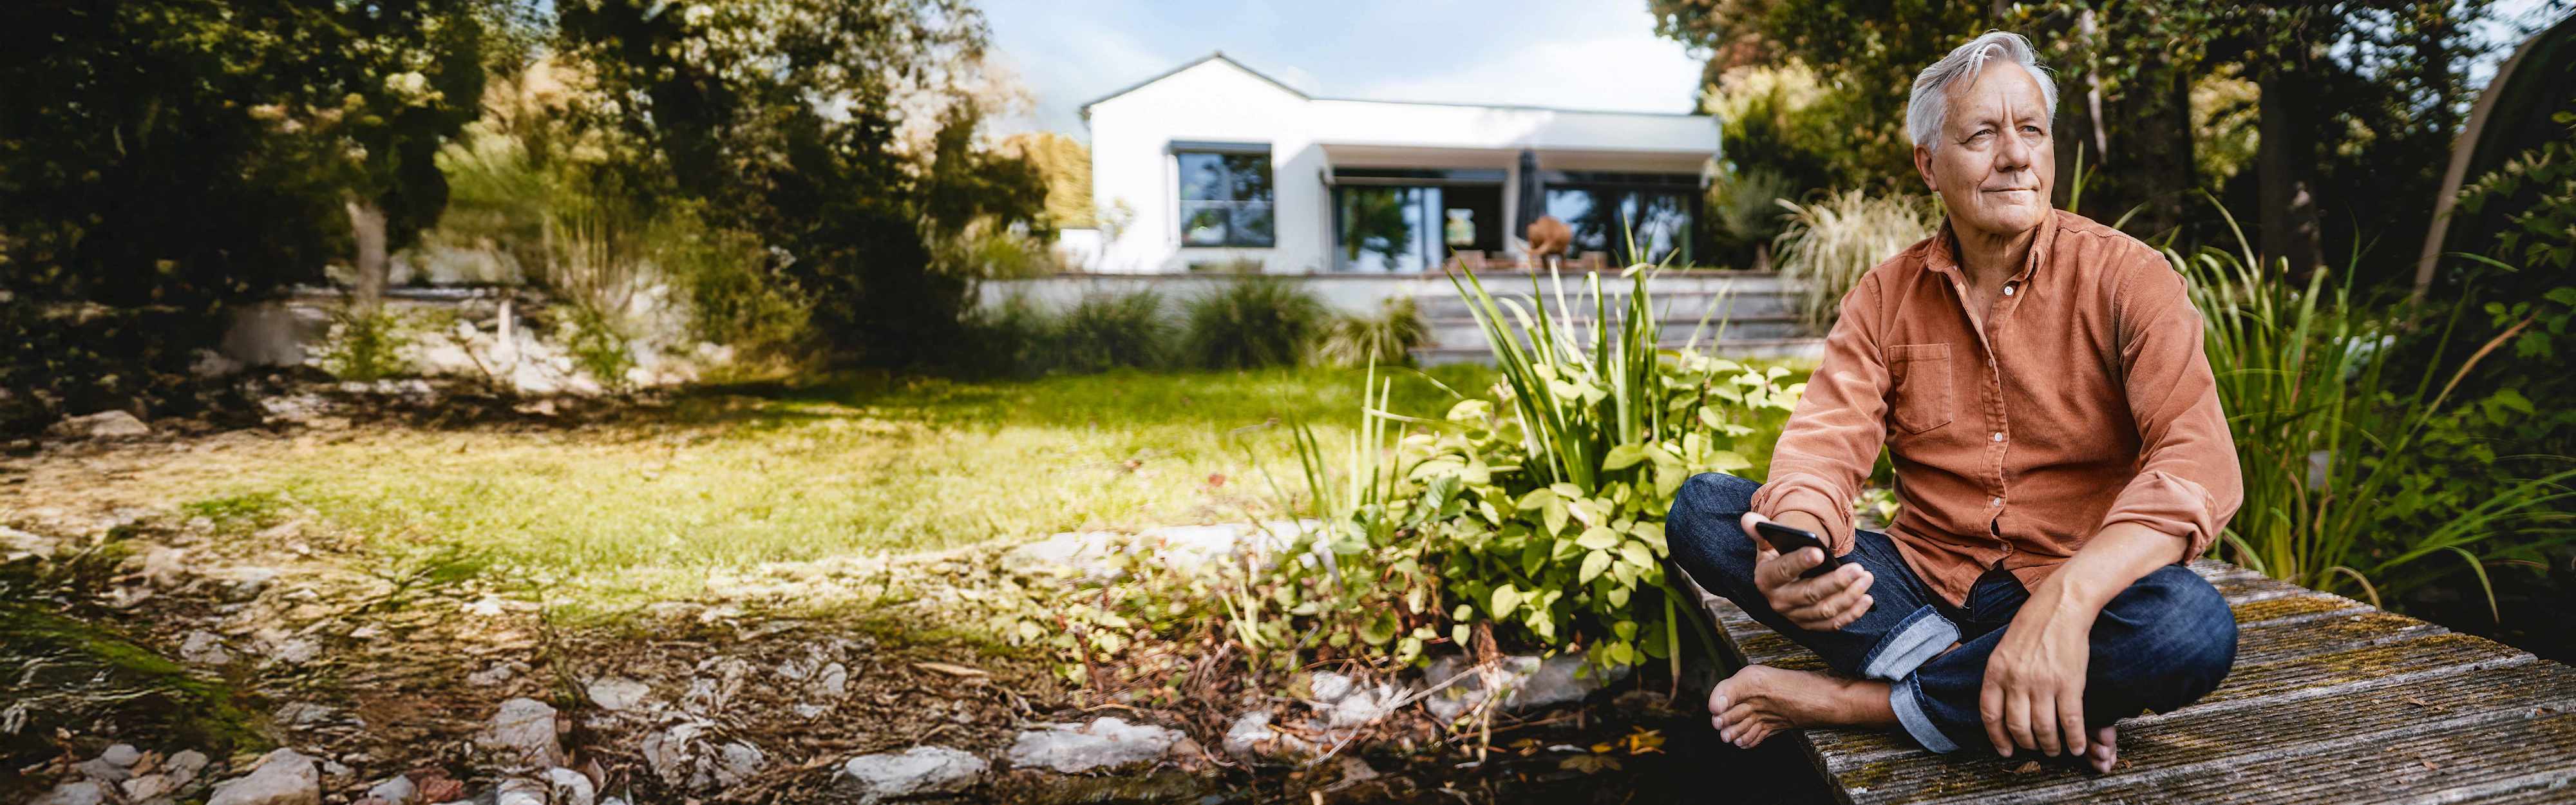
2104, 750
1760, 700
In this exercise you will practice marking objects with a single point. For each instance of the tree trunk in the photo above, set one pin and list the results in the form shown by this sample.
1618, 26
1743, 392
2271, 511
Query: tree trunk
367, 222
2285, 165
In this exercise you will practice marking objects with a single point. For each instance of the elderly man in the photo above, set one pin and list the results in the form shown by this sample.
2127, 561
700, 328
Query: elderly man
2039, 381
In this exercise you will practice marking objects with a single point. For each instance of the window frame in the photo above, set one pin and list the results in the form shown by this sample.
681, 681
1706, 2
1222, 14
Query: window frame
1235, 237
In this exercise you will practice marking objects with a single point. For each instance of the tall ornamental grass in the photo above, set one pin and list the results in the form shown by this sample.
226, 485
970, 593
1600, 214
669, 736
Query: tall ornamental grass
1829, 244
2325, 430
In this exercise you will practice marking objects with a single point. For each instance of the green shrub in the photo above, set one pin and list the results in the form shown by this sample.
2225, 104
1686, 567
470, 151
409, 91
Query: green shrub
1012, 339
1827, 245
1388, 338
365, 346
1252, 323
1106, 331
599, 347
1539, 513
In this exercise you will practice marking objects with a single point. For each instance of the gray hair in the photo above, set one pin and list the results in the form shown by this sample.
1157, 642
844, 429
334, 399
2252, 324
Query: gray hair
1925, 112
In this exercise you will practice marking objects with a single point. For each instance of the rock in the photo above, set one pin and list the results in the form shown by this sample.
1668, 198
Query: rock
284, 777
101, 425
304, 714
184, 765
292, 651
1526, 682
499, 672
921, 770
519, 792
104, 772
1108, 742
395, 790
735, 762
617, 693
833, 682
522, 735
121, 755
81, 793
147, 787
1364, 706
1329, 687
1247, 732
683, 755
204, 648
570, 787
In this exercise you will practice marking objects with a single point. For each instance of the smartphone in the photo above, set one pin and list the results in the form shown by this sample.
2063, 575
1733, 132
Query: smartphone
1786, 540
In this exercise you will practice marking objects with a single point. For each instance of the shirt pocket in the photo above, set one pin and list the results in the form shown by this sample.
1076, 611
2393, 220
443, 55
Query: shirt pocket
1920, 400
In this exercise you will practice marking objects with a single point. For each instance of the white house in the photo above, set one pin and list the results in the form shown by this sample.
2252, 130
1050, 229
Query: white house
1213, 164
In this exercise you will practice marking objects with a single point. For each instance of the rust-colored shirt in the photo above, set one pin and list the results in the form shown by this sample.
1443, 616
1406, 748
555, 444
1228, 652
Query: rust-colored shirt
2086, 402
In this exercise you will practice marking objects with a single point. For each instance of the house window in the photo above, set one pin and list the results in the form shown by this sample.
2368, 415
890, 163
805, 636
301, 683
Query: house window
1225, 196
1607, 210
1410, 220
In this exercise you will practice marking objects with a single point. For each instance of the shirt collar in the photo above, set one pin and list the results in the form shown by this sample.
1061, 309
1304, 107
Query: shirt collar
1944, 255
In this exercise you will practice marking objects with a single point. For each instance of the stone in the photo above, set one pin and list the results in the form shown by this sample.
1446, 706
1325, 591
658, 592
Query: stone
101, 425
80, 793
304, 714
1330, 687
519, 792
522, 735
283, 777
1108, 742
1525, 682
148, 787
1364, 706
395, 790
919, 771
204, 648
499, 672
570, 787
122, 755
186, 762
105, 772
833, 682
1251, 734
735, 762
618, 694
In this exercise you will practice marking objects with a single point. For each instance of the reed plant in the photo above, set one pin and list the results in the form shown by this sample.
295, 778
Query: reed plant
2324, 429
1829, 244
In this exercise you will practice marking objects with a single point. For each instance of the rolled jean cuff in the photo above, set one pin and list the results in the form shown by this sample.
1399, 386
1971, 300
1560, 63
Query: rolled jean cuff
1918, 638
1906, 698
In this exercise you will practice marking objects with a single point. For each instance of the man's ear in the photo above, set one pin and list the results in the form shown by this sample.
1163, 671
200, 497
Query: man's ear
1923, 165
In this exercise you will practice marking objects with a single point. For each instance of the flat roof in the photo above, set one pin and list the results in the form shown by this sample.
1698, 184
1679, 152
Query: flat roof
1220, 56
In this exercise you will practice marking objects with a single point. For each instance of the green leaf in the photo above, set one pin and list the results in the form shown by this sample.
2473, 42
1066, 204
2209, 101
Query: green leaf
1597, 538
1593, 564
1506, 599
1554, 516
1728, 461
1381, 629
1537, 498
1624, 456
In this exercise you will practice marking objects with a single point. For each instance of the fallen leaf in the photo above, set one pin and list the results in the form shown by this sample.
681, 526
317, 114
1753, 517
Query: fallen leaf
2026, 767
2432, 766
952, 670
2422, 703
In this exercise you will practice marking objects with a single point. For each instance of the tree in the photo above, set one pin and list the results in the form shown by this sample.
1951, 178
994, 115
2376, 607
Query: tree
1066, 166
783, 116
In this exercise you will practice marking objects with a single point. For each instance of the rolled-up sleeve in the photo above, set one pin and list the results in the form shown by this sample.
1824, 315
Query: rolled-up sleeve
2188, 483
1834, 436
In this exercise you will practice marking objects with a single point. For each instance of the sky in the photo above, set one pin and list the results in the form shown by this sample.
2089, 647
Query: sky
1600, 54
1582, 55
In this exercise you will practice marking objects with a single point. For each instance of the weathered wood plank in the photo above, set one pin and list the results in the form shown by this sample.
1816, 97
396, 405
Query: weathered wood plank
2215, 740
2324, 690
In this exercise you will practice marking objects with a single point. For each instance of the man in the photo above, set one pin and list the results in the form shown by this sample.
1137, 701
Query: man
2039, 381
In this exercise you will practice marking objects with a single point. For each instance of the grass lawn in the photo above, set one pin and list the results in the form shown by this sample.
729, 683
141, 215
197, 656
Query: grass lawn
646, 506
734, 476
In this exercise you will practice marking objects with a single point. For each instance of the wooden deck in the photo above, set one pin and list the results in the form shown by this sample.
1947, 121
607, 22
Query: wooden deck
2330, 700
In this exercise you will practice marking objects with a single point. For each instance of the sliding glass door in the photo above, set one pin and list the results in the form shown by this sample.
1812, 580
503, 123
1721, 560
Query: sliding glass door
1403, 228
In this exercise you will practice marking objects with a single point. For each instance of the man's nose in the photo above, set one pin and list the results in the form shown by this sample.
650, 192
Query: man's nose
2014, 156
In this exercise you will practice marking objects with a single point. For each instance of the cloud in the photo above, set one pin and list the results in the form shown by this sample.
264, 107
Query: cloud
1639, 73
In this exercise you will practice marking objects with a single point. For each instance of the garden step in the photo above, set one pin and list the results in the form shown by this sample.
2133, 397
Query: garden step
2329, 698
1466, 332
1669, 303
1777, 348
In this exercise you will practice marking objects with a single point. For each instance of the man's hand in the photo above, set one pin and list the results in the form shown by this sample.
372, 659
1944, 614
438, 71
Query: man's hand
2034, 691
1820, 604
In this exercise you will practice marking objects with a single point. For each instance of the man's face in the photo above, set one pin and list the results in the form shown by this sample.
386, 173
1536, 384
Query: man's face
1995, 165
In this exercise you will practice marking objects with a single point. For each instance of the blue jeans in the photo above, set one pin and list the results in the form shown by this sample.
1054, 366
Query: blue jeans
2162, 643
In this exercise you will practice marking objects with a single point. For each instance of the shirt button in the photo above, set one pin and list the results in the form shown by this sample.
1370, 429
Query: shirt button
2007, 290
1999, 436
1996, 502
